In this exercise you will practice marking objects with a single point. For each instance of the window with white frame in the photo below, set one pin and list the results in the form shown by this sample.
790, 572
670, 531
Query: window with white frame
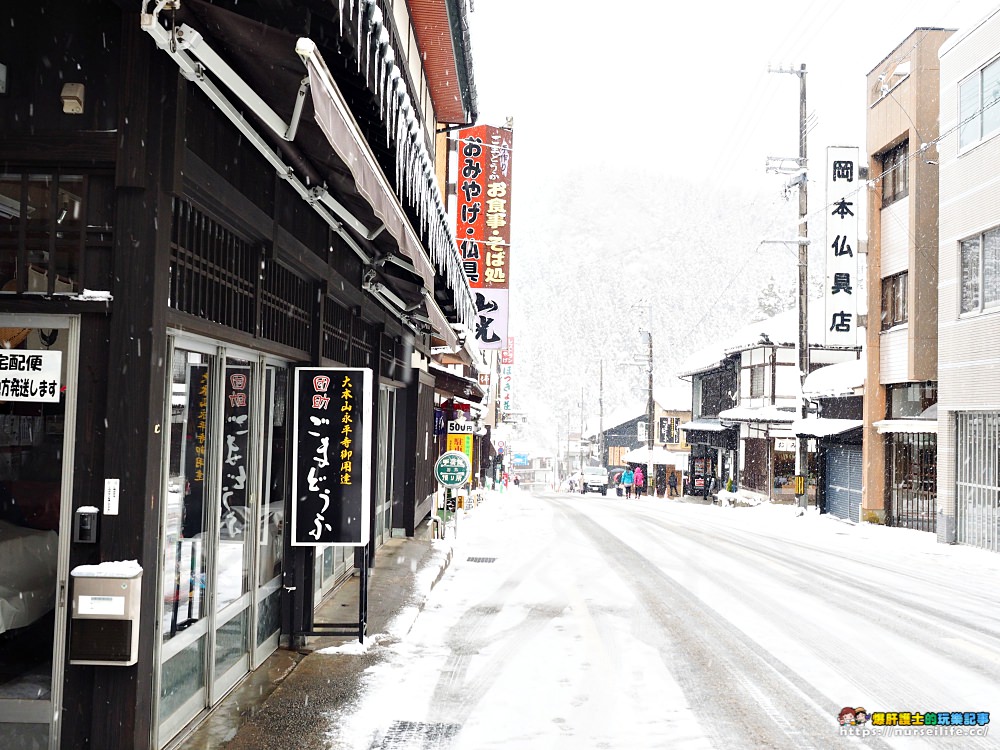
980, 263
894, 310
757, 373
978, 100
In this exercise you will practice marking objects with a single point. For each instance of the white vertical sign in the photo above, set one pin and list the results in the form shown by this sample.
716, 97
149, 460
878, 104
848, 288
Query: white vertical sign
844, 201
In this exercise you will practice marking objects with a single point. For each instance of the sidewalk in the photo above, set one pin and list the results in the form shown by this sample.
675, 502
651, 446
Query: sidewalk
281, 705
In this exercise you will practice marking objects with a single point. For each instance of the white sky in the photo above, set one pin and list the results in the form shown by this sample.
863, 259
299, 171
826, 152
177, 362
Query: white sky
680, 90
686, 88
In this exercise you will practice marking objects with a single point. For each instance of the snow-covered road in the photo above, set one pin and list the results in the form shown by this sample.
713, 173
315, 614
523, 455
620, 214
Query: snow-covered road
572, 621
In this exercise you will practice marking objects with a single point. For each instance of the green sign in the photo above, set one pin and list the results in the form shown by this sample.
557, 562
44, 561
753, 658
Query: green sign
453, 469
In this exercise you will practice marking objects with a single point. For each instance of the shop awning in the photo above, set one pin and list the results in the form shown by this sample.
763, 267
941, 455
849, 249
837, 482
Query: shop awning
260, 78
906, 425
457, 385
823, 426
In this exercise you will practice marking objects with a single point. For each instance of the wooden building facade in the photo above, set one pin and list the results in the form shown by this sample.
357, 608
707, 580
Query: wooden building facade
176, 255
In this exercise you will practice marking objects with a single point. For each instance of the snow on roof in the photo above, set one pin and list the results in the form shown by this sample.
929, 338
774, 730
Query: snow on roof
824, 426
708, 425
840, 379
768, 413
781, 330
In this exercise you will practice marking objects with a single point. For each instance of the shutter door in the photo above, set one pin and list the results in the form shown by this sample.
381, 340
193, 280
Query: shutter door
843, 478
856, 467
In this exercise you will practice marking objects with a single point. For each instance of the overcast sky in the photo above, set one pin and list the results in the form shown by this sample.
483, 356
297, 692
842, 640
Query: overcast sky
686, 86
679, 90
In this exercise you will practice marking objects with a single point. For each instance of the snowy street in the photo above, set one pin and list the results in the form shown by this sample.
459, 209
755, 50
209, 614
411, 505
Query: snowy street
571, 621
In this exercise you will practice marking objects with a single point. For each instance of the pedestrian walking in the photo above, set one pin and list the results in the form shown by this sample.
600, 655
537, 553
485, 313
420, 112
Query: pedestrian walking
627, 479
640, 481
661, 483
672, 483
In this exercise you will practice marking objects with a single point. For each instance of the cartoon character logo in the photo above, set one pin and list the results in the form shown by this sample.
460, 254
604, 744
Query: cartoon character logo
860, 715
846, 716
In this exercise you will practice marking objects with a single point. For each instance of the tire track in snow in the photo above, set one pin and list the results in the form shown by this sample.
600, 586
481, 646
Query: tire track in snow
743, 696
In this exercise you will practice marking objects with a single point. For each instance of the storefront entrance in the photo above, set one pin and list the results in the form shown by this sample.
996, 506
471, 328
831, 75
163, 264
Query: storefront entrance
224, 499
36, 469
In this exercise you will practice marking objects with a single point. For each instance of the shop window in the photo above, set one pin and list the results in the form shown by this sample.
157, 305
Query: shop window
42, 220
910, 400
895, 174
894, 295
31, 464
980, 272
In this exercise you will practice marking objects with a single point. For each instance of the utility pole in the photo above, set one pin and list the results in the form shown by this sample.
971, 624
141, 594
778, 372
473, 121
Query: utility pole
650, 415
801, 181
581, 429
600, 420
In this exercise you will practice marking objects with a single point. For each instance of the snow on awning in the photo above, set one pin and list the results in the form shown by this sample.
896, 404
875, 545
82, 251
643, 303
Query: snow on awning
906, 425
823, 426
661, 456
706, 425
415, 173
841, 379
769, 413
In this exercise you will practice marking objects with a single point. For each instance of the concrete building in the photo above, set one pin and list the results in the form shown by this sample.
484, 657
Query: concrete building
900, 440
968, 481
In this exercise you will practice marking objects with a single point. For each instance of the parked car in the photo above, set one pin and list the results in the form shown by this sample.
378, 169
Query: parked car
594, 478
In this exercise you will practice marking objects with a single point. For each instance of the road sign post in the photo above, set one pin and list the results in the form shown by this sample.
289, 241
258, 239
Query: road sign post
452, 470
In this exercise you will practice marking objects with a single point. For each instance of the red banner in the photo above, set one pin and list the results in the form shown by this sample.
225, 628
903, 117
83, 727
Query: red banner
483, 190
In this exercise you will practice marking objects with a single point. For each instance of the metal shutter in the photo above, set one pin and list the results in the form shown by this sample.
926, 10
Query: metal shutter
843, 477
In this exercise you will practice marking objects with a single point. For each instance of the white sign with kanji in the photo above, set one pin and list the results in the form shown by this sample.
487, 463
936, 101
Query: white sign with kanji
845, 199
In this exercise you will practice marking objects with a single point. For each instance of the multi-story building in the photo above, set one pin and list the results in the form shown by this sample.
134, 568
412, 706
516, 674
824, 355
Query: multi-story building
196, 200
900, 440
968, 481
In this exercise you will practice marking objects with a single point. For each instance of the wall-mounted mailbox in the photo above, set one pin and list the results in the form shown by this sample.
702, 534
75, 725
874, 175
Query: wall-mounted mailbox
105, 621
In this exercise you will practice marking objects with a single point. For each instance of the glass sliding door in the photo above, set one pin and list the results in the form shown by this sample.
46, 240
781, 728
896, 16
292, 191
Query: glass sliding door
383, 470
235, 510
222, 525
36, 451
271, 513
187, 522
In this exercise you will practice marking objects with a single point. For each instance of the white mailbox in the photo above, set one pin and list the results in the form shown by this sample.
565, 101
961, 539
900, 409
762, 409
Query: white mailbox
105, 620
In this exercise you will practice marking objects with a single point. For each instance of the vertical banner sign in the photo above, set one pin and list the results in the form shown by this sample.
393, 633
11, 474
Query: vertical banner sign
194, 459
236, 440
483, 226
842, 207
331, 453
506, 390
460, 437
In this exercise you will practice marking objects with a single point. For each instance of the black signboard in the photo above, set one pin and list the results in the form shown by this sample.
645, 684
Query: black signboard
236, 439
331, 448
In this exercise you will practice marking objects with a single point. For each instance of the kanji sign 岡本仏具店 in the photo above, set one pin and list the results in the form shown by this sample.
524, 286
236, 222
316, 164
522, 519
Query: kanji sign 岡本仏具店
843, 288
331, 449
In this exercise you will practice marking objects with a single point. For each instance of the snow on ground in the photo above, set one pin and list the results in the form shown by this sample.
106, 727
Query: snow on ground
555, 645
